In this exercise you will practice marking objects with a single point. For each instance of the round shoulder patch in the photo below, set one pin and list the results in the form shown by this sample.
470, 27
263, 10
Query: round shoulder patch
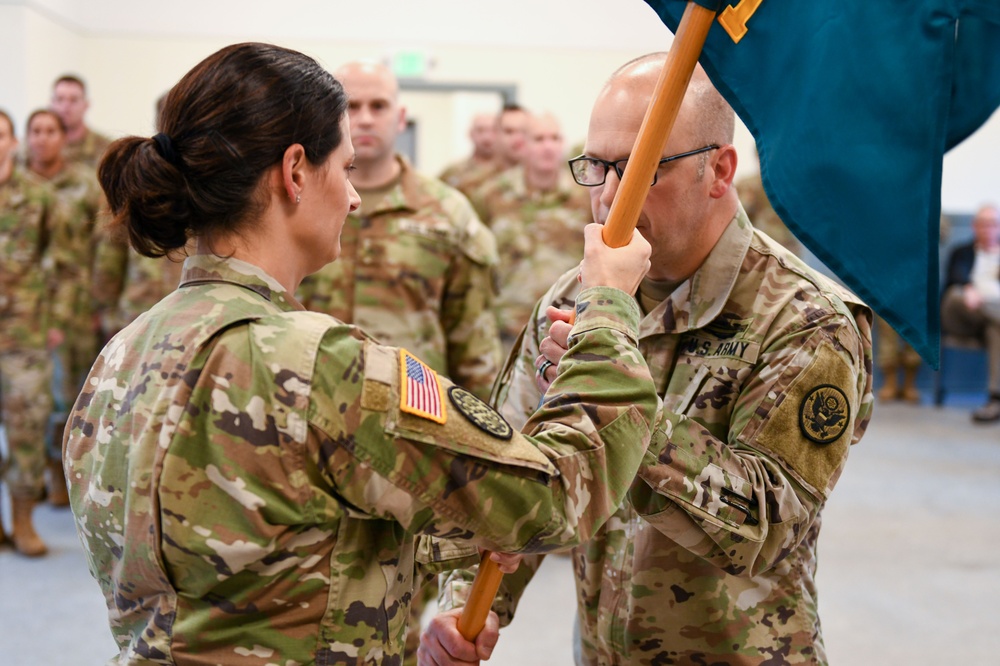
479, 413
824, 414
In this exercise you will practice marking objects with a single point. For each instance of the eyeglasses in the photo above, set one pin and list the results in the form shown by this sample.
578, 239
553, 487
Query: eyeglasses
591, 171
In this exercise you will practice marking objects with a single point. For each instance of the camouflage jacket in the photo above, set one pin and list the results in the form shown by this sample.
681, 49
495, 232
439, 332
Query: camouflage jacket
467, 176
248, 477
88, 151
126, 284
75, 233
25, 266
764, 368
539, 237
418, 273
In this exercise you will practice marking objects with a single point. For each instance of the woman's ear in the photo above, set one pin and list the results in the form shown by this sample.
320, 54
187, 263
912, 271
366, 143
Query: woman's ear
293, 175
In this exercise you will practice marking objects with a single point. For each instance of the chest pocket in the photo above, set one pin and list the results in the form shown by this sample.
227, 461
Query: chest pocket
707, 380
407, 255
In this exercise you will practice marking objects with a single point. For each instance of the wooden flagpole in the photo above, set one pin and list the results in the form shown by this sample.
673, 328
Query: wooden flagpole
622, 218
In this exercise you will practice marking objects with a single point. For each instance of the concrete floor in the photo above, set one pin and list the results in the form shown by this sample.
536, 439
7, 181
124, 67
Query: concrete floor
909, 571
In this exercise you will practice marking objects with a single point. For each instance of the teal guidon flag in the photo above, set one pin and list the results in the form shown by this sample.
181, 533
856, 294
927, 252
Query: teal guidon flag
853, 105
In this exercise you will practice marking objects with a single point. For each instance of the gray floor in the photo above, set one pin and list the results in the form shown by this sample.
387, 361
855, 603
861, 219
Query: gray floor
909, 565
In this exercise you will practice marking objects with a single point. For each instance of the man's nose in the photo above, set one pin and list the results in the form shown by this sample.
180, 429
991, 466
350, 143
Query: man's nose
610, 187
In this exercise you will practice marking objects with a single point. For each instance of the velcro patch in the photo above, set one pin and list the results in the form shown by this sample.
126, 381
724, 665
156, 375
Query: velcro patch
809, 432
420, 390
479, 413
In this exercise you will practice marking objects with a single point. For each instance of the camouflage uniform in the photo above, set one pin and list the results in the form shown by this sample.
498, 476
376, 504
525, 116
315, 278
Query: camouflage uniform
539, 237
79, 201
759, 209
25, 311
468, 175
126, 284
417, 273
765, 371
87, 151
247, 478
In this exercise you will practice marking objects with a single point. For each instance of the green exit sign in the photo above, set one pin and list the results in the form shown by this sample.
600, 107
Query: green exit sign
409, 64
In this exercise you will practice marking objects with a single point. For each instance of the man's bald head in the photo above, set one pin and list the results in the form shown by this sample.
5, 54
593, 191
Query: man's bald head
704, 112
376, 115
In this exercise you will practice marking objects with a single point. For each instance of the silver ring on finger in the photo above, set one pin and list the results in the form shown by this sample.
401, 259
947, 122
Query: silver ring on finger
543, 367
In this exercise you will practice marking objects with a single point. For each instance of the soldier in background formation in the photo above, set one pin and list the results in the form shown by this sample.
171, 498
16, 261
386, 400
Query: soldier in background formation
70, 103
416, 264
467, 174
537, 214
73, 248
763, 366
415, 268
250, 478
27, 310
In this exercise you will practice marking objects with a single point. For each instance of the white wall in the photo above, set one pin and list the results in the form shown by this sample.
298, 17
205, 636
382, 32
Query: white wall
557, 53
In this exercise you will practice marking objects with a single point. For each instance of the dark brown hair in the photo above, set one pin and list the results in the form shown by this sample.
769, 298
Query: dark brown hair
223, 126
44, 112
72, 78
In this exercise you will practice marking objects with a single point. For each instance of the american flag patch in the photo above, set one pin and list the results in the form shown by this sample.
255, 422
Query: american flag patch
420, 391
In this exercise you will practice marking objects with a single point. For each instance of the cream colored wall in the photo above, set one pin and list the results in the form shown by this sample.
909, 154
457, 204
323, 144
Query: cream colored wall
126, 74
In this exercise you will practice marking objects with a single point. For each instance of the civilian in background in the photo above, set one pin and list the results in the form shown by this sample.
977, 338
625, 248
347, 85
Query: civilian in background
971, 304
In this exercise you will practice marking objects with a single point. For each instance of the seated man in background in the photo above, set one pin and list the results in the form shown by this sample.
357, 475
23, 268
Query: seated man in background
971, 304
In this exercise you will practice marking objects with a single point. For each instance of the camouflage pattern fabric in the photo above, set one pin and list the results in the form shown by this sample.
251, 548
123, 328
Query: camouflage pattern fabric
26, 204
25, 311
79, 207
126, 284
417, 273
468, 175
759, 209
893, 351
539, 237
248, 480
88, 151
764, 368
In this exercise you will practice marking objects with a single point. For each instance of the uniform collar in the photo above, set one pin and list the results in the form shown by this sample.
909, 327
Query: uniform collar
698, 300
407, 195
208, 268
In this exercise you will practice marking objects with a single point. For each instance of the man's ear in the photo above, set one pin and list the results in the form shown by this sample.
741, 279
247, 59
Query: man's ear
724, 169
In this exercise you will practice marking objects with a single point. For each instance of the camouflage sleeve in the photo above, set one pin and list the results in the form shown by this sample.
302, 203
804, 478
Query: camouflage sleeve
110, 268
745, 503
465, 473
455, 587
467, 316
62, 274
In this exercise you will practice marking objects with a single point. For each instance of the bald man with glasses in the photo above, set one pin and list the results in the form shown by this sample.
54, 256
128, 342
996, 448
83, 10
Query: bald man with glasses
764, 371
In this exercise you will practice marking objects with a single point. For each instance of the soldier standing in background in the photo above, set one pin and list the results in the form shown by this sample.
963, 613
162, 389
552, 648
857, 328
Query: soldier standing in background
416, 264
25, 312
469, 173
70, 103
512, 126
73, 247
537, 214
759, 209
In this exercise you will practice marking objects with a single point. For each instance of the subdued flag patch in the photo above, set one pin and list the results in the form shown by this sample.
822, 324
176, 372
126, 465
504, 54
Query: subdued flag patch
420, 390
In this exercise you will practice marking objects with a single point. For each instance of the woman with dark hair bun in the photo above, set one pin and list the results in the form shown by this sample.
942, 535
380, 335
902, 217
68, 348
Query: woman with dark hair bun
249, 478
